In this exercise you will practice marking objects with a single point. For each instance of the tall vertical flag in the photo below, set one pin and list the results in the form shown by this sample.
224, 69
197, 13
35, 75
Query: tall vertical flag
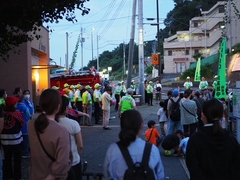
197, 77
220, 91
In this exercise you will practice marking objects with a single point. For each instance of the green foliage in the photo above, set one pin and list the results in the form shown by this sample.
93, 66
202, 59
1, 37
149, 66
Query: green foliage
206, 71
149, 69
74, 56
18, 18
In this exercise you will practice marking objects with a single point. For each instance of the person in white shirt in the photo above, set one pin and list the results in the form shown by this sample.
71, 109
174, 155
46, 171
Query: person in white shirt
162, 118
106, 104
74, 130
188, 84
157, 89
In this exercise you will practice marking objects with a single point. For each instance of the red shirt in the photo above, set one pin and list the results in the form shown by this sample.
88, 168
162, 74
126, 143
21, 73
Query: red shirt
155, 134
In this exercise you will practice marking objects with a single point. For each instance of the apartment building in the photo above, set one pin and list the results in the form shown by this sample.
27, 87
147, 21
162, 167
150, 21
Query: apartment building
203, 37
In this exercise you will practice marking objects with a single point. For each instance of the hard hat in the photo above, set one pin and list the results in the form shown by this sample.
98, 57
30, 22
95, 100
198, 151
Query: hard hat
66, 85
119, 82
87, 87
188, 77
150, 82
97, 85
78, 86
72, 87
215, 76
55, 87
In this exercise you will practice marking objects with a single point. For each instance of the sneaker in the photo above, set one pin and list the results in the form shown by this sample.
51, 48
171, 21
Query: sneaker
106, 128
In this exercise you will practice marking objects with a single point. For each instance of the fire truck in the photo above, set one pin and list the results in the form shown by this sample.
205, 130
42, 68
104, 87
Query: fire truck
73, 78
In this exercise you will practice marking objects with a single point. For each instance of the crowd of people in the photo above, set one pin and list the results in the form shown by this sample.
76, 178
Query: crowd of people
196, 129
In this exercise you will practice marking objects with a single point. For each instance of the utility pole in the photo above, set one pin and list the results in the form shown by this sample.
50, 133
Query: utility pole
124, 59
159, 48
97, 54
66, 61
92, 41
131, 45
141, 50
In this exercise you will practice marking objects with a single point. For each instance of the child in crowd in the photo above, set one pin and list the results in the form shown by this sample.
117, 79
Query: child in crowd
172, 141
152, 135
183, 145
162, 118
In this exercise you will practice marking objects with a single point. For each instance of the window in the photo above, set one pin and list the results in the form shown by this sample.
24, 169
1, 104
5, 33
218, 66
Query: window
187, 52
195, 24
170, 53
196, 51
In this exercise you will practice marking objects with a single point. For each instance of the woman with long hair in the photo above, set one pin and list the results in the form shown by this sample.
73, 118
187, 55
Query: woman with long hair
212, 152
131, 126
74, 129
49, 141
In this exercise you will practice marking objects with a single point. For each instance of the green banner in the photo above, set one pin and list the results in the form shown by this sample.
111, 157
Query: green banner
220, 91
197, 77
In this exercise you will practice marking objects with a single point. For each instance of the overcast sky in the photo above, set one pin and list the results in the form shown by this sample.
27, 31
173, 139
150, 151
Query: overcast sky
111, 21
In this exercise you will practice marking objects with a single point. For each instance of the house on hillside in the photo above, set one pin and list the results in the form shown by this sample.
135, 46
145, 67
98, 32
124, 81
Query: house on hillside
203, 38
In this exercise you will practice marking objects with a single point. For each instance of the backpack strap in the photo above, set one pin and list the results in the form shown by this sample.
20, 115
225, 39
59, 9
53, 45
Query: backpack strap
146, 154
126, 155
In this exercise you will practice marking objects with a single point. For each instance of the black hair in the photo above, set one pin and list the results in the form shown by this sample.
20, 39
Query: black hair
213, 111
2, 92
49, 101
26, 90
161, 103
169, 93
16, 90
187, 93
64, 105
151, 123
131, 121
179, 132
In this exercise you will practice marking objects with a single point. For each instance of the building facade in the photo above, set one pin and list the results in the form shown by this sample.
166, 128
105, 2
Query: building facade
203, 37
30, 68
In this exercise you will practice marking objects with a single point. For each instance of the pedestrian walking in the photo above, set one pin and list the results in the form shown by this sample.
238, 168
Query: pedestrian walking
157, 90
162, 118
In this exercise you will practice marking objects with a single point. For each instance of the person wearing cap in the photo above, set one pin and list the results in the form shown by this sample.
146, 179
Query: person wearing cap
157, 89
11, 139
150, 93
97, 99
188, 84
188, 110
66, 85
173, 123
203, 85
87, 105
214, 84
117, 92
106, 104
78, 98
127, 102
71, 95
134, 87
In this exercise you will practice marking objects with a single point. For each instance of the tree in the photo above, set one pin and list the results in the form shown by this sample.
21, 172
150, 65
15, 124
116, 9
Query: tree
19, 18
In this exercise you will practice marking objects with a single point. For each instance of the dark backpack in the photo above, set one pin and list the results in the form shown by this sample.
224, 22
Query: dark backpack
158, 89
175, 110
139, 170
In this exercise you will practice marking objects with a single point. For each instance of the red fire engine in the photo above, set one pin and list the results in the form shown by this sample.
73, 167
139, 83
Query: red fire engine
84, 78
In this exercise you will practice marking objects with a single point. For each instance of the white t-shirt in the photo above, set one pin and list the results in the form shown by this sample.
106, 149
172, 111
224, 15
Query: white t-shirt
73, 128
162, 114
106, 98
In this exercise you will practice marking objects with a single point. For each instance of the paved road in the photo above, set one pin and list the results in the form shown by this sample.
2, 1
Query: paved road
97, 140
